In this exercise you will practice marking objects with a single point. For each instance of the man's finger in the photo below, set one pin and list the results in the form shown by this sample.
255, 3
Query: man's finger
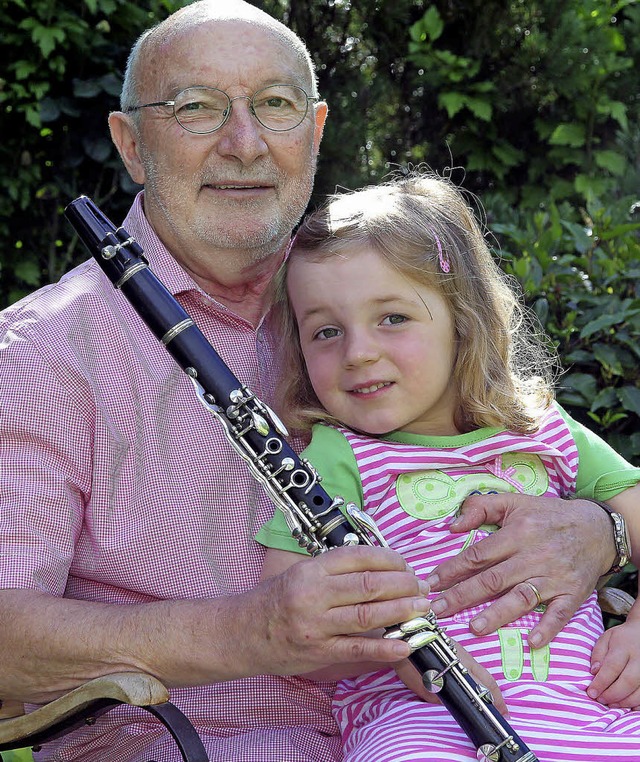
357, 649
479, 563
506, 609
364, 617
557, 614
481, 509
485, 585
360, 558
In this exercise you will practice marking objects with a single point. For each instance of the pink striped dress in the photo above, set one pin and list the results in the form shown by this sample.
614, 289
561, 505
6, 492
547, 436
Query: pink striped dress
413, 491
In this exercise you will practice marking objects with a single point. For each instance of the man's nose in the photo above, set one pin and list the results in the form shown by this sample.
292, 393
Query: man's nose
242, 135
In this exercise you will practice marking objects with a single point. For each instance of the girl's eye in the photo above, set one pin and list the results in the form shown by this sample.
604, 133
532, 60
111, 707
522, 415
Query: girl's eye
326, 333
394, 320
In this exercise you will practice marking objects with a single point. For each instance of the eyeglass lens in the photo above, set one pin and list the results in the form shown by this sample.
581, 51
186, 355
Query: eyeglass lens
205, 109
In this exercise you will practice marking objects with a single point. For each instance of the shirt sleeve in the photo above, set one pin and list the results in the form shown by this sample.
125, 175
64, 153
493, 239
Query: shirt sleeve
333, 458
45, 456
602, 472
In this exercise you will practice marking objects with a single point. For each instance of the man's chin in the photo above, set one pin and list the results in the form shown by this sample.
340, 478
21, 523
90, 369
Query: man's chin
264, 240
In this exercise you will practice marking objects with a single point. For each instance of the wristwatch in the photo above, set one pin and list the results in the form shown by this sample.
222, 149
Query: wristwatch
620, 537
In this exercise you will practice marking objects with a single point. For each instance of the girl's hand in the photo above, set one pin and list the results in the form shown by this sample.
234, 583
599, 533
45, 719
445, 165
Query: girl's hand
411, 678
615, 662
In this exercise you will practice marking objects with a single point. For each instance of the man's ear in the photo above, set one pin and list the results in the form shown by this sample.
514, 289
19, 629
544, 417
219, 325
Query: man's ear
321, 111
126, 139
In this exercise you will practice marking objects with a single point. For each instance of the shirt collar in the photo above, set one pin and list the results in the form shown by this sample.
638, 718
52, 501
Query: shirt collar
165, 267
175, 279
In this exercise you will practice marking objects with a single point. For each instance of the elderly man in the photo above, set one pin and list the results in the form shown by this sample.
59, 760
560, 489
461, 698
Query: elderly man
126, 521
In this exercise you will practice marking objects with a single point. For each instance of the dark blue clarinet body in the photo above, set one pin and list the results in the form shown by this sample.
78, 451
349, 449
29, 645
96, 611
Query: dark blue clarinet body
314, 519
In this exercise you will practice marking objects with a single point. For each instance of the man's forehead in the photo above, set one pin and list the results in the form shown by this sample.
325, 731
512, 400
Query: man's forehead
222, 52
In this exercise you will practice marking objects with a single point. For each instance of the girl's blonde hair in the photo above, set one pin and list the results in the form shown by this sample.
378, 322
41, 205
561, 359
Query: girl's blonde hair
503, 369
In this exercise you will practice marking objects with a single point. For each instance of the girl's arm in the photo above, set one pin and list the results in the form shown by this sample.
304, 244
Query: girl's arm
615, 661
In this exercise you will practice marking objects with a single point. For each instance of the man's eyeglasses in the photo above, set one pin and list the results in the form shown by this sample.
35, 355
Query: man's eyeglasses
206, 109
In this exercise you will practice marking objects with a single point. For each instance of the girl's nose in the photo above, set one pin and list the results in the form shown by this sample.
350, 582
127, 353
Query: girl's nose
361, 349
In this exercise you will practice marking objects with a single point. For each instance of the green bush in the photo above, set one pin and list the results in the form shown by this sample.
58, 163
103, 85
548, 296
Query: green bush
580, 271
538, 101
540, 104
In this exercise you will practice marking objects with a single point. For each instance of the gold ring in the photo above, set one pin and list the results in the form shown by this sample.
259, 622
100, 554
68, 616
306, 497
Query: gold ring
536, 592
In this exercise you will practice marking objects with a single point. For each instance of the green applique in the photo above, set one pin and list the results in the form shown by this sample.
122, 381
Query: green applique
482, 529
512, 652
432, 495
540, 661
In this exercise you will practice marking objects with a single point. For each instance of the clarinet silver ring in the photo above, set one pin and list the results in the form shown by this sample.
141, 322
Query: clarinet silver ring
536, 592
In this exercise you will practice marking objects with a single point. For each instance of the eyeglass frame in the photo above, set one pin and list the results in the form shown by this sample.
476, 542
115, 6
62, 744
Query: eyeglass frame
172, 103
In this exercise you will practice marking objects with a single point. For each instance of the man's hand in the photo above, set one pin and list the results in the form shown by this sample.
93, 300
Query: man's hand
316, 613
552, 543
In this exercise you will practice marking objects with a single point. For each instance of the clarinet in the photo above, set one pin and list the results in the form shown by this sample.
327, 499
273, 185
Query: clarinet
314, 519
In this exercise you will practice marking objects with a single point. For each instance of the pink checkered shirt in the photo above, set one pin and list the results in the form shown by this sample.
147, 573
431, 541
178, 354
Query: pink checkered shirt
117, 486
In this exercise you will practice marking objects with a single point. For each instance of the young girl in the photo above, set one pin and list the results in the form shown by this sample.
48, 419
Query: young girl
408, 351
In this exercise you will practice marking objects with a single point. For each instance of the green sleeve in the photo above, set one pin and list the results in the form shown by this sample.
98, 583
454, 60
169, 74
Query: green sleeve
602, 472
333, 458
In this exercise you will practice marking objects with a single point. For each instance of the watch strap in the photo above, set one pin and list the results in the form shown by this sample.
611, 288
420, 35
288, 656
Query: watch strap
620, 536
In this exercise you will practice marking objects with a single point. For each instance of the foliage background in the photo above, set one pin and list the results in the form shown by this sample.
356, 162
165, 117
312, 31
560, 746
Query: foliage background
537, 100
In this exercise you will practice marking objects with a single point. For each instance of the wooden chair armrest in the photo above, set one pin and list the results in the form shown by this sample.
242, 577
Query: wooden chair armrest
615, 601
127, 687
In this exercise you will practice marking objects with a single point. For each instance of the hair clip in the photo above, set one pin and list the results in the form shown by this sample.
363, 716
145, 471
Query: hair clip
442, 257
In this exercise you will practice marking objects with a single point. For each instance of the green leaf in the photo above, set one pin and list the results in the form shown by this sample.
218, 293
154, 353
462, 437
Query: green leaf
580, 237
601, 323
111, 84
591, 187
86, 88
581, 384
629, 397
541, 308
618, 231
432, 23
618, 111
49, 110
99, 149
24, 69
606, 398
508, 154
46, 38
607, 356
32, 115
568, 135
28, 272
452, 102
480, 108
612, 161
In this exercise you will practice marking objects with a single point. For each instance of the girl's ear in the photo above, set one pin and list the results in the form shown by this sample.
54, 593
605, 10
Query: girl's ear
126, 139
